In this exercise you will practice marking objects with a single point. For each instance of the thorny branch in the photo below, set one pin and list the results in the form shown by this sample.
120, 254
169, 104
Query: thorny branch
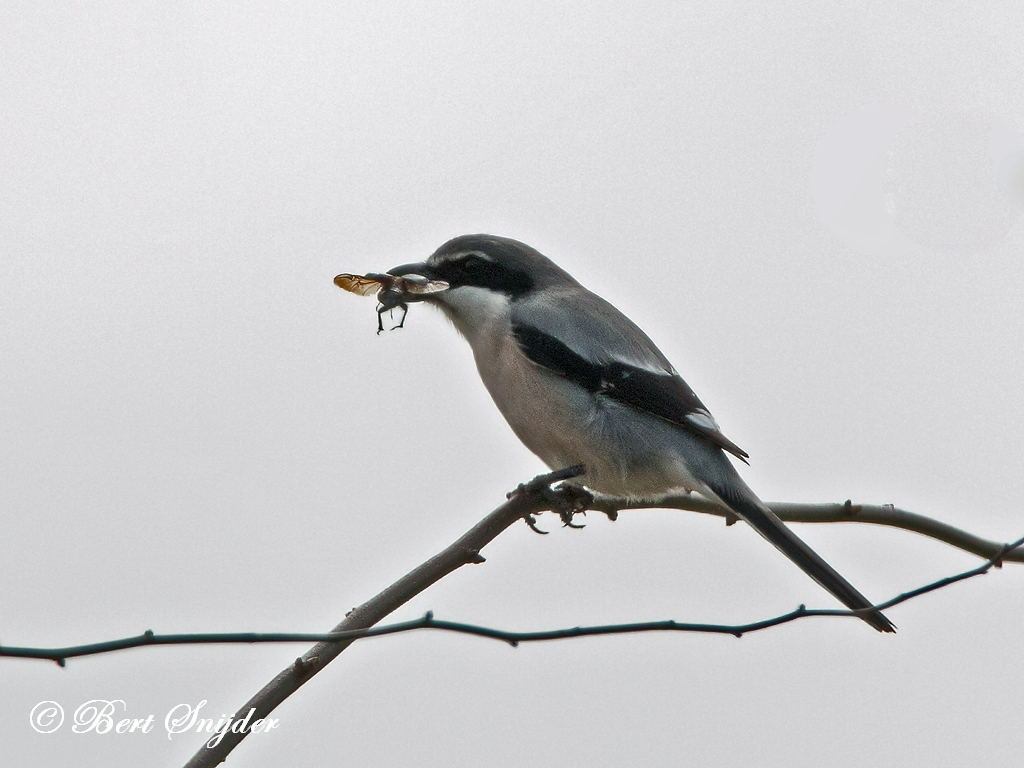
847, 512
529, 499
60, 655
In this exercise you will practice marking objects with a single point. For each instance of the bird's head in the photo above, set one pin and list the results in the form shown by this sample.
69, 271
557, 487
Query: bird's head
485, 274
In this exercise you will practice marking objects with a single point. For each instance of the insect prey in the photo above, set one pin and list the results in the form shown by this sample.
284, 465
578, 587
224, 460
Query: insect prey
393, 291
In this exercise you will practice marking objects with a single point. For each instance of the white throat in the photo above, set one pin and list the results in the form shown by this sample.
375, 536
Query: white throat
476, 313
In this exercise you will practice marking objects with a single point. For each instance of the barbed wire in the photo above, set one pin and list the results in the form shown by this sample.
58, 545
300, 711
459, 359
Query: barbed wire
149, 638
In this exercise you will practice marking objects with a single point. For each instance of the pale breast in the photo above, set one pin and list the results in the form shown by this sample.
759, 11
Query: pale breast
625, 453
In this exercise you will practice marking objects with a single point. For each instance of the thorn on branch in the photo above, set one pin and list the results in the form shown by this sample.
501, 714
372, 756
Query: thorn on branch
473, 557
306, 667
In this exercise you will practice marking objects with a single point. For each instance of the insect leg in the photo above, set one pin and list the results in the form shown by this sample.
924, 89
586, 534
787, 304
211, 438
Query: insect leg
405, 311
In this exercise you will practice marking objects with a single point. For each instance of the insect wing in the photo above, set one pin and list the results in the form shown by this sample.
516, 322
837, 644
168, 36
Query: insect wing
426, 287
364, 286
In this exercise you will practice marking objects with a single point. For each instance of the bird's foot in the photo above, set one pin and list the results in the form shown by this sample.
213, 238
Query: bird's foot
565, 499
570, 500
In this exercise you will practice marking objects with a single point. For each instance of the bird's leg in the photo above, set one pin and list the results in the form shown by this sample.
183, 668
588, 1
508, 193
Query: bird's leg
568, 500
565, 499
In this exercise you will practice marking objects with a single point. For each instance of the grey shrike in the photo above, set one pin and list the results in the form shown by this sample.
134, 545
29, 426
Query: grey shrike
580, 383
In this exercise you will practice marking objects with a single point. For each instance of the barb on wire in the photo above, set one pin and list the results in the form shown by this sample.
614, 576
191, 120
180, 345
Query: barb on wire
149, 638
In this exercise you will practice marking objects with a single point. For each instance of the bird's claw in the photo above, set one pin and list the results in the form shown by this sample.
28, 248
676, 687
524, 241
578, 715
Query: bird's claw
571, 500
567, 518
565, 500
531, 521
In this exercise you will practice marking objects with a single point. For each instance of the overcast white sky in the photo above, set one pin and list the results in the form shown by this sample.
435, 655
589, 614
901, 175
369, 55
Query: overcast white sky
814, 209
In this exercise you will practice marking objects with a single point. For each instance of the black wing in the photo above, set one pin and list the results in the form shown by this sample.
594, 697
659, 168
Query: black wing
665, 395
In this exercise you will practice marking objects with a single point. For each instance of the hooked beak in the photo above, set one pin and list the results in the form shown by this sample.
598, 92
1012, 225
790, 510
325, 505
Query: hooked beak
404, 270
421, 281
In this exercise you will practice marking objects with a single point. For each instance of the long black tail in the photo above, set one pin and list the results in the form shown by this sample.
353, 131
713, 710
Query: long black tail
741, 500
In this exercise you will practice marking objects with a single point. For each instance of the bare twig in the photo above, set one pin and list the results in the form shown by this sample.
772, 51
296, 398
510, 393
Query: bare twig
530, 499
428, 621
527, 499
847, 512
